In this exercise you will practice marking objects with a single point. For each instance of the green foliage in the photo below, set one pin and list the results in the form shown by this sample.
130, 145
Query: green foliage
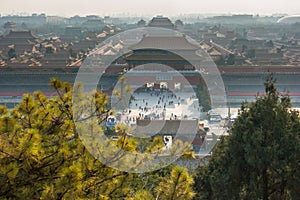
42, 157
49, 50
260, 159
230, 59
11, 53
251, 53
269, 43
177, 186
203, 96
123, 94
142, 195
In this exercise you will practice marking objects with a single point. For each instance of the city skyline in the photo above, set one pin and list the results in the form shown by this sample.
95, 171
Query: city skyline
134, 7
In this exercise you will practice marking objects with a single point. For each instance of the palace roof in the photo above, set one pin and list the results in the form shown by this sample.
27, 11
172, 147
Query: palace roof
21, 34
18, 38
165, 43
161, 21
168, 127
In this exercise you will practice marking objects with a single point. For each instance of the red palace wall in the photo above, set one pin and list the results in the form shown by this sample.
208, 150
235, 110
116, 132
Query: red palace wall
140, 80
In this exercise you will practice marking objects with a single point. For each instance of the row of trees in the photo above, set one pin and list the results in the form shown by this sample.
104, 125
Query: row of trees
42, 157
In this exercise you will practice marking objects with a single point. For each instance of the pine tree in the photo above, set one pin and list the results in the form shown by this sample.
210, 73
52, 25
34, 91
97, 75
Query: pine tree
177, 186
42, 156
260, 159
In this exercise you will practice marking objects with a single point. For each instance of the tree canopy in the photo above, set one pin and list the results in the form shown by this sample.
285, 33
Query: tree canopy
203, 96
260, 159
42, 156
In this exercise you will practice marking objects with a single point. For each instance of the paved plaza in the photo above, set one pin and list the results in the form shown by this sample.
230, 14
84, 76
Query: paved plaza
161, 105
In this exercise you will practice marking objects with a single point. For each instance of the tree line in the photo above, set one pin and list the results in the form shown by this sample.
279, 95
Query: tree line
42, 156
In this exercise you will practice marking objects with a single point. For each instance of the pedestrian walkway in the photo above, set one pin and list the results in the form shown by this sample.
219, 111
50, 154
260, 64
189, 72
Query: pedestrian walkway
161, 105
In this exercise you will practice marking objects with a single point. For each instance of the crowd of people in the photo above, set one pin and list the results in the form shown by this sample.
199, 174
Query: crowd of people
160, 105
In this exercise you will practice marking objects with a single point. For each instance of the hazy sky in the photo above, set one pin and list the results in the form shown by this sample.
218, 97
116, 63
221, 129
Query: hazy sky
148, 7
